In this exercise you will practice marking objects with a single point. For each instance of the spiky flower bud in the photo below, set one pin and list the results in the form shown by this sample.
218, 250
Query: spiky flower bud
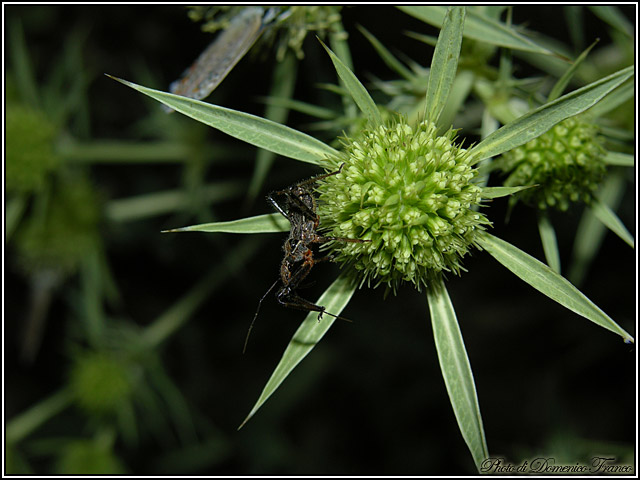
409, 192
566, 163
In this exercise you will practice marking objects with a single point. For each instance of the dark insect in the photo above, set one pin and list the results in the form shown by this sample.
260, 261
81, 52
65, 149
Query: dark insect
298, 205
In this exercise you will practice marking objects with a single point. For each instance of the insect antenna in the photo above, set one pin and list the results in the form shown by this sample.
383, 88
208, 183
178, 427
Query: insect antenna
246, 340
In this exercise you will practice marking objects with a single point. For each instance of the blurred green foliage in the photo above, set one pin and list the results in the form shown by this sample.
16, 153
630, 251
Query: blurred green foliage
123, 345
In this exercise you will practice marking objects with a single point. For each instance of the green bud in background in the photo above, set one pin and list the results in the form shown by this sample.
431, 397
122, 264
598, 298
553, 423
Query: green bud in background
65, 232
566, 163
100, 383
30, 150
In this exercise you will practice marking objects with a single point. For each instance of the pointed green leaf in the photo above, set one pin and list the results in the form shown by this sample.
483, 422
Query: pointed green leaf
540, 120
624, 93
387, 57
176, 316
248, 128
340, 45
613, 223
25, 79
21, 425
159, 203
620, 159
356, 89
282, 86
444, 63
460, 91
497, 192
299, 106
545, 280
591, 231
612, 15
269, 223
310, 332
563, 81
479, 27
456, 370
549, 242
14, 209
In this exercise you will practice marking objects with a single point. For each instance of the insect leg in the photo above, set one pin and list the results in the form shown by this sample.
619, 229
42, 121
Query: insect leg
272, 200
294, 198
317, 178
292, 300
246, 340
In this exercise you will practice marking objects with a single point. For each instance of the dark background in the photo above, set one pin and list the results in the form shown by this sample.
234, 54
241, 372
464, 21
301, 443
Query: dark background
370, 399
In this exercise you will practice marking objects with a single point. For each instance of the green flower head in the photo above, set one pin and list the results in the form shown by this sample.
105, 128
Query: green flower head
30, 150
100, 383
566, 165
68, 232
409, 193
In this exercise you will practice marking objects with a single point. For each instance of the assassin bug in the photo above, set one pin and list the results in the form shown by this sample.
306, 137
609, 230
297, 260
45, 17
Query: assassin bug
299, 207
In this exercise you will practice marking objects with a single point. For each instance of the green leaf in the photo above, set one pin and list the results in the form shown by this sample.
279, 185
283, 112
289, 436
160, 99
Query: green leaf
25, 79
624, 93
282, 86
340, 45
545, 280
460, 90
608, 217
248, 128
392, 62
176, 316
613, 17
497, 192
549, 242
591, 231
563, 81
159, 203
356, 89
302, 107
14, 210
540, 120
269, 223
110, 151
456, 370
310, 332
26, 422
444, 63
479, 27
620, 159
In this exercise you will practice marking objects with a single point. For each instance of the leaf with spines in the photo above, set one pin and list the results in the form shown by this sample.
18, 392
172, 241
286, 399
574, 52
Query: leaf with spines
545, 280
269, 223
549, 242
456, 370
608, 217
540, 120
444, 63
257, 131
310, 332
356, 89
479, 27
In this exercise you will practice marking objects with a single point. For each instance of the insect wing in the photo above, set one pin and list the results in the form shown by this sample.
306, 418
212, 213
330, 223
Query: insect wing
213, 65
